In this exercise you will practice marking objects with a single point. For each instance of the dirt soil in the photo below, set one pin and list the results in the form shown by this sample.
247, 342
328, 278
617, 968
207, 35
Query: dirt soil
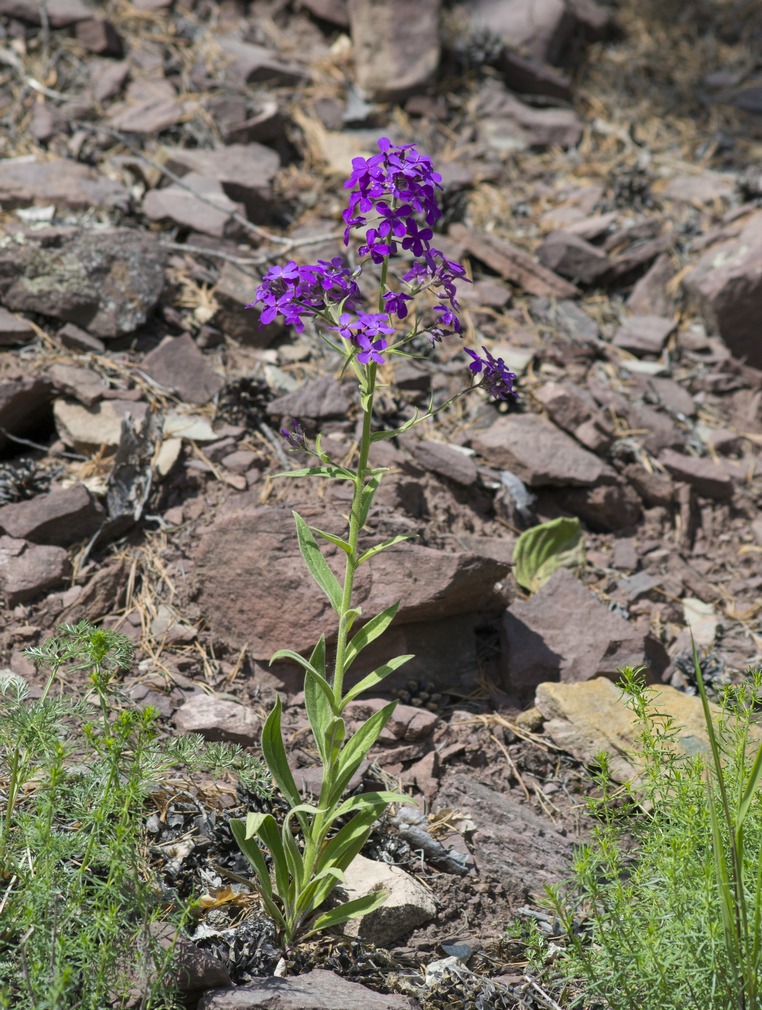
655, 96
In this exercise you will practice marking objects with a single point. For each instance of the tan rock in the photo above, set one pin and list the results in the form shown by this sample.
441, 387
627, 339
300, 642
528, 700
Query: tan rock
591, 716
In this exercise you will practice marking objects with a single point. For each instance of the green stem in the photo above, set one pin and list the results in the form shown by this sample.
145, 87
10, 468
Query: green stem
360, 481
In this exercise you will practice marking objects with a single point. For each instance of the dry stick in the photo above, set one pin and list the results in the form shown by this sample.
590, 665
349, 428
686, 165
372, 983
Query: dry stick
512, 764
543, 995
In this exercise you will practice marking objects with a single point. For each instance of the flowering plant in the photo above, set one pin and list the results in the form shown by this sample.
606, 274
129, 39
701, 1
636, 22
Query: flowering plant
393, 199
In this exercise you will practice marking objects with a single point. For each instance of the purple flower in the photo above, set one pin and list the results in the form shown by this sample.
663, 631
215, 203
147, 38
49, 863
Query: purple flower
377, 246
417, 239
295, 437
496, 378
371, 350
394, 220
395, 302
448, 319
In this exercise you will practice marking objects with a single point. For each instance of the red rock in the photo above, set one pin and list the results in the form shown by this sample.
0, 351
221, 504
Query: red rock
180, 205
650, 295
14, 330
150, 115
542, 28
318, 399
726, 287
100, 37
252, 582
395, 54
508, 125
179, 366
314, 990
60, 13
108, 78
28, 570
537, 451
445, 460
245, 171
217, 719
61, 517
234, 290
528, 76
653, 488
704, 476
79, 383
572, 257
644, 334
66, 183
603, 508
251, 64
565, 633
335, 12
79, 340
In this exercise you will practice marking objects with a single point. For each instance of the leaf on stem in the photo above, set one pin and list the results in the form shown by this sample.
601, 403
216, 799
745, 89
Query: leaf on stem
374, 678
369, 632
335, 472
316, 563
355, 750
349, 910
373, 551
366, 499
274, 754
253, 853
337, 541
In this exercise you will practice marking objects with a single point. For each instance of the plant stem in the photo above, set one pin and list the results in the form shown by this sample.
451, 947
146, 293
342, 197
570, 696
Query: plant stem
354, 534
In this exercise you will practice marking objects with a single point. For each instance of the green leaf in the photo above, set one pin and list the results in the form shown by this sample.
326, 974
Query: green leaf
369, 632
274, 754
374, 800
349, 910
355, 750
347, 548
366, 499
334, 472
253, 853
318, 698
318, 449
373, 678
316, 563
541, 550
264, 826
372, 551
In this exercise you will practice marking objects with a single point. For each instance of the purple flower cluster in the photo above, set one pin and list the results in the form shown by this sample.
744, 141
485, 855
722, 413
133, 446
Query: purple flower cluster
397, 183
295, 292
393, 196
496, 378
367, 333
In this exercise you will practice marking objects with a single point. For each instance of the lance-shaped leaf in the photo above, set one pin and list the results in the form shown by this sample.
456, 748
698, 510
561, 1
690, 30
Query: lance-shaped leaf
368, 633
355, 750
312, 671
374, 678
334, 472
337, 541
250, 848
316, 563
264, 826
349, 910
318, 698
366, 499
373, 551
275, 755
542, 549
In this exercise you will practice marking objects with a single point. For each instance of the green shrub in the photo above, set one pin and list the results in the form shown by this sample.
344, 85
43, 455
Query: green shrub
77, 900
663, 910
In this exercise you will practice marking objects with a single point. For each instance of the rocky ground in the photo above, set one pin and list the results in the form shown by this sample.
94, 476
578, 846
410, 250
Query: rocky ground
603, 188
